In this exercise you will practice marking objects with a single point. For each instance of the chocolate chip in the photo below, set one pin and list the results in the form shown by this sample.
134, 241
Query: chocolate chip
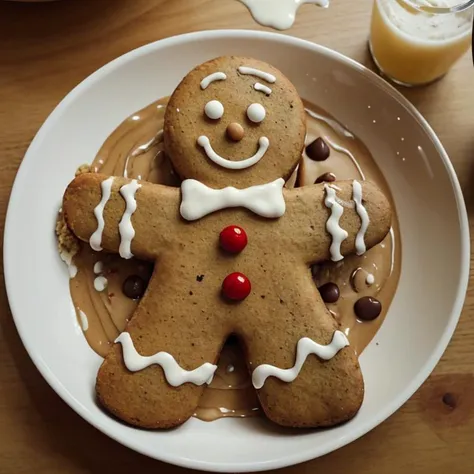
318, 150
134, 287
326, 178
329, 292
367, 308
449, 400
199, 277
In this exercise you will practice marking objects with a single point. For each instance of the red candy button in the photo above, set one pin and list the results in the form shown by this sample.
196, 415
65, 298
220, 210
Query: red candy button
233, 239
236, 286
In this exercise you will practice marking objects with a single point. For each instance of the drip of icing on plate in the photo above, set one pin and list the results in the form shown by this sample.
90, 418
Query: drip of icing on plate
67, 257
84, 321
278, 14
100, 283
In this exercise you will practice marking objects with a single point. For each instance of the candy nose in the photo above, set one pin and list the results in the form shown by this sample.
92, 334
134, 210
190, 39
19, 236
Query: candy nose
235, 131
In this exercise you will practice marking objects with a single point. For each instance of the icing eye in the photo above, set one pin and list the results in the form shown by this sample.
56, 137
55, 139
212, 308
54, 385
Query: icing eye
214, 109
256, 113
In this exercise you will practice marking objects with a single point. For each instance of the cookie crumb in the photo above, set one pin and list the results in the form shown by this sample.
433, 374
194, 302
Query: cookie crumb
84, 168
68, 245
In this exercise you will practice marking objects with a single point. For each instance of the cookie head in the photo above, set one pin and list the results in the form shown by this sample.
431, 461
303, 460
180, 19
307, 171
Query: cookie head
234, 121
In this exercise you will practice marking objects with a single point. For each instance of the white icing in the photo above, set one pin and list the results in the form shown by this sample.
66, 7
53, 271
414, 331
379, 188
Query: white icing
198, 200
72, 270
98, 267
141, 149
174, 374
279, 14
364, 217
100, 283
370, 279
304, 348
127, 232
250, 71
263, 144
337, 233
256, 113
341, 149
262, 88
66, 257
214, 110
332, 123
215, 76
84, 321
95, 240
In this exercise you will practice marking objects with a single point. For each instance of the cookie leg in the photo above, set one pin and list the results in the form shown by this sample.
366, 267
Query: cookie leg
295, 387
325, 393
162, 389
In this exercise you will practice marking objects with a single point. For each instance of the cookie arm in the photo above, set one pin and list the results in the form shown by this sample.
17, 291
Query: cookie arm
93, 205
333, 221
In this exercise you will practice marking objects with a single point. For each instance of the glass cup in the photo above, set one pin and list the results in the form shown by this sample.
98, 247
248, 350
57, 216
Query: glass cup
415, 42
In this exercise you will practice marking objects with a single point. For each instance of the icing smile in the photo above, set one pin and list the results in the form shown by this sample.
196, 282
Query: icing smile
263, 144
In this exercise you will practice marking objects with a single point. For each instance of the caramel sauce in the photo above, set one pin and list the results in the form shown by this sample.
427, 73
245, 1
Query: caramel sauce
135, 150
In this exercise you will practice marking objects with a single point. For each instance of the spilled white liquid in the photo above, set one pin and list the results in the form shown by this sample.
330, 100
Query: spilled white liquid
278, 14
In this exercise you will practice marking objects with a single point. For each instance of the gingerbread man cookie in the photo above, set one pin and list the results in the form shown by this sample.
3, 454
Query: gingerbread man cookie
233, 248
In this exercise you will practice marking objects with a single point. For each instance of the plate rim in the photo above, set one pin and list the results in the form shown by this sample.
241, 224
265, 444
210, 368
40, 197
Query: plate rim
282, 461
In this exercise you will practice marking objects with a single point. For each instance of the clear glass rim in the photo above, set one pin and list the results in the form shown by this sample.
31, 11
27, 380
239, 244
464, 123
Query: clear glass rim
427, 8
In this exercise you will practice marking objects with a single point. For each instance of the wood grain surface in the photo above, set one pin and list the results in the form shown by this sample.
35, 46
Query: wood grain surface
46, 50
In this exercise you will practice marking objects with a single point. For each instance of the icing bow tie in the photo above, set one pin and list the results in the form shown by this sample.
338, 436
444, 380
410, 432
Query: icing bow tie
198, 200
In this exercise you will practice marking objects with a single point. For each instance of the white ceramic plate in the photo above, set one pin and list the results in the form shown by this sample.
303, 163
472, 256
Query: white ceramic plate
435, 256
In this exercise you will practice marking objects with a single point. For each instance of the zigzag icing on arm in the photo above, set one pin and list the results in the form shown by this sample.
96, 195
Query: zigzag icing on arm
364, 217
337, 233
95, 240
127, 232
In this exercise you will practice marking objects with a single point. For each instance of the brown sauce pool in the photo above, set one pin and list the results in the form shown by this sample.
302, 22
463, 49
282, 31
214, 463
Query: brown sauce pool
135, 150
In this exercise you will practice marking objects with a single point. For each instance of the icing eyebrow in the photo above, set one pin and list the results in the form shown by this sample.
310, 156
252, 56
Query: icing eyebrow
250, 71
215, 76
262, 88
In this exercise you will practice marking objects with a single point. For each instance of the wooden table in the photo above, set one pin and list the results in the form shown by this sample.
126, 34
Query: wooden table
45, 50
